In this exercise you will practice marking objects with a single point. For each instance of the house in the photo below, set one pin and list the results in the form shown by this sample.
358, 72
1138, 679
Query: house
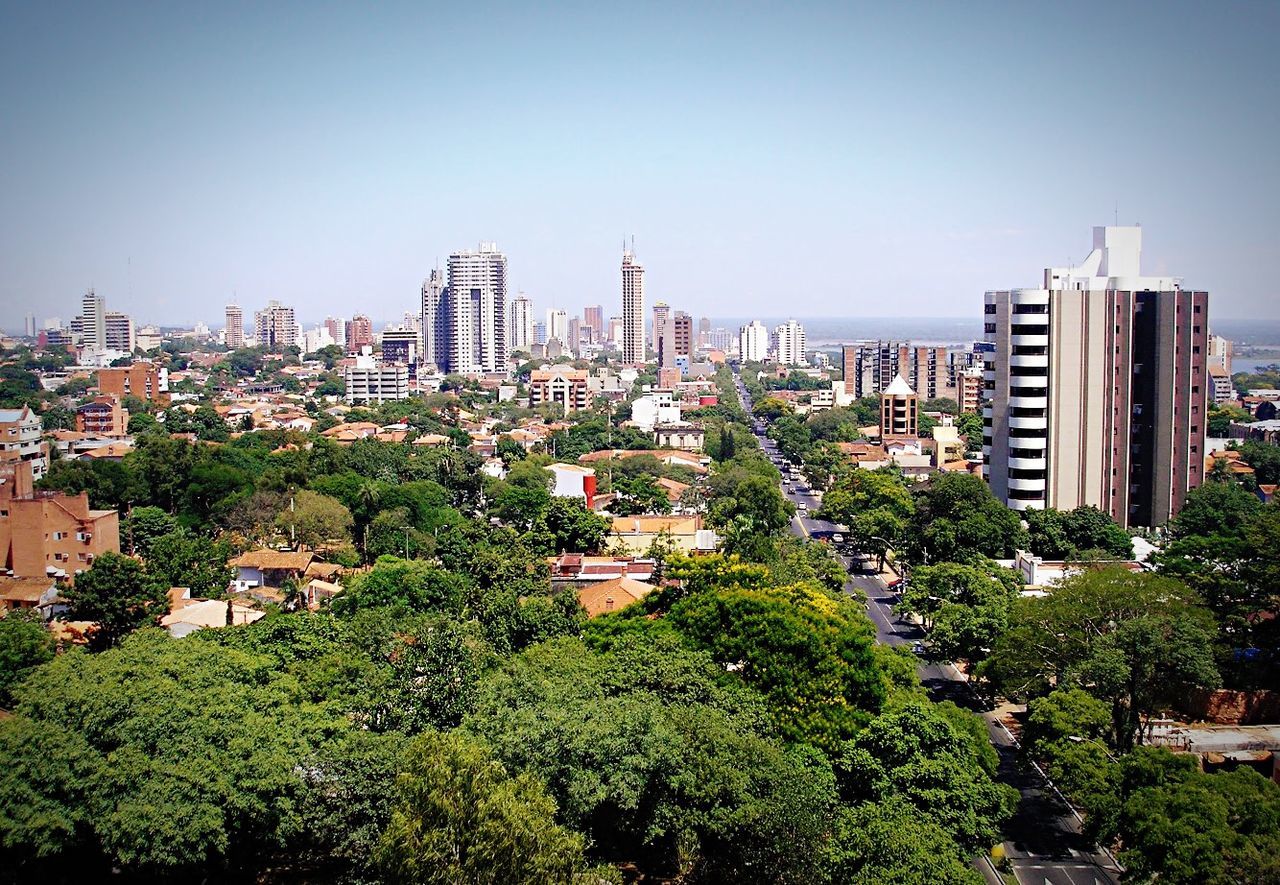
671, 457
270, 568
110, 452
579, 569
636, 534
684, 435
1040, 575
573, 481
29, 593
207, 614
612, 595
675, 490
317, 592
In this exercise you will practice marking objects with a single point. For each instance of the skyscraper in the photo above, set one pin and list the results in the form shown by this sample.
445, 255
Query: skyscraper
275, 326
435, 322
753, 342
632, 309
93, 316
337, 329
475, 307
119, 331
359, 333
790, 344
1097, 386
593, 317
558, 326
675, 340
521, 322
29, 325
234, 337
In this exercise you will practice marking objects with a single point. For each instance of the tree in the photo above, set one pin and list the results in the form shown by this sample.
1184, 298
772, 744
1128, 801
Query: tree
728, 448
569, 525
964, 607
750, 511
314, 520
921, 754
957, 519
461, 818
1215, 508
808, 652
1133, 640
24, 644
182, 559
889, 843
640, 495
58, 417
874, 505
406, 586
118, 594
771, 408
1078, 533
143, 526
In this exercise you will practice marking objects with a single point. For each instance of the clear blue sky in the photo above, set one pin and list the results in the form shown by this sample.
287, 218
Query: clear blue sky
830, 159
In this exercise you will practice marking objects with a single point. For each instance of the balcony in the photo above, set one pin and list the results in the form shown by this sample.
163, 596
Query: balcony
1026, 423
1028, 464
1029, 340
1028, 442
1027, 485
1028, 402
1020, 505
1030, 361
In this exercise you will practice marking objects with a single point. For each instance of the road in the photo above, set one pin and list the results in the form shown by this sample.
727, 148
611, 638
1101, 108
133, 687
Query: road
1044, 843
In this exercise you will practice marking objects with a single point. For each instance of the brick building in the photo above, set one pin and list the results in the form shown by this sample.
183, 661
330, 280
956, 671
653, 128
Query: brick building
47, 533
20, 440
102, 417
142, 379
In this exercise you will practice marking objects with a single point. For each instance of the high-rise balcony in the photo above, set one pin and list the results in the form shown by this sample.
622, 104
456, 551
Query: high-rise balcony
1019, 422
1029, 360
1029, 402
1029, 340
1028, 464
1027, 484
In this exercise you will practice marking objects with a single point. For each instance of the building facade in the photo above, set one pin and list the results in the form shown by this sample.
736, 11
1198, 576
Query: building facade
753, 342
789, 344
522, 323
559, 384
102, 416
275, 326
93, 321
120, 333
633, 350
142, 379
359, 333
234, 337
899, 409
21, 439
373, 381
435, 321
593, 318
49, 534
1097, 387
475, 311
400, 346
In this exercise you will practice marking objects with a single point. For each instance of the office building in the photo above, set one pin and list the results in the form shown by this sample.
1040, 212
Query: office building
540, 333
400, 346
29, 325
899, 407
614, 332
593, 318
475, 308
675, 342
753, 342
559, 384
275, 327
373, 381
359, 333
1097, 387
119, 332
93, 321
661, 313
558, 326
234, 337
633, 350
435, 321
522, 323
789, 344
720, 339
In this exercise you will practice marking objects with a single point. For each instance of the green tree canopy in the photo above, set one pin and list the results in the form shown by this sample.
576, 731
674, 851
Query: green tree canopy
119, 595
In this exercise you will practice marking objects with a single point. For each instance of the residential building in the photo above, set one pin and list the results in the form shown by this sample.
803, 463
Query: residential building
593, 318
675, 343
612, 595
654, 408
372, 381
275, 326
522, 323
435, 320
1221, 389
899, 408
1220, 353
559, 384
558, 326
1097, 387
142, 379
789, 344
633, 350
574, 342
359, 333
29, 325
49, 533
234, 337
316, 339
684, 435
661, 314
540, 333
337, 329
969, 389
21, 432
636, 534
474, 306
573, 481
753, 342
614, 332
102, 416
925, 369
720, 339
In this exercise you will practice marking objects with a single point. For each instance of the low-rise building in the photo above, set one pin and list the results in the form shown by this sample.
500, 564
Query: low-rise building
21, 440
49, 534
636, 534
371, 381
103, 416
684, 435
612, 595
142, 379
574, 481
560, 384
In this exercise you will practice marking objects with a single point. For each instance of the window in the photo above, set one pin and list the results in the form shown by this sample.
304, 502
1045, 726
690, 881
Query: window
988, 308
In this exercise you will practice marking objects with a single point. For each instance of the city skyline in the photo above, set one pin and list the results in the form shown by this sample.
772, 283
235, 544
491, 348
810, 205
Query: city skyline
282, 169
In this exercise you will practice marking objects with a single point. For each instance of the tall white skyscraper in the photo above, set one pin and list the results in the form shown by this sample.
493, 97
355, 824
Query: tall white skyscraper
476, 311
753, 342
558, 326
120, 334
93, 316
435, 322
632, 309
790, 344
275, 326
29, 325
235, 327
521, 322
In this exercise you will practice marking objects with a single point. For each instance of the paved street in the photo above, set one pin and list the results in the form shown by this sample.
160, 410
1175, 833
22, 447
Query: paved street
1044, 844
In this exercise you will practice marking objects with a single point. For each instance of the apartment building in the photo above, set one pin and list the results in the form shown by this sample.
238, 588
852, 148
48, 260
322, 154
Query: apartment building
20, 440
102, 416
374, 381
141, 379
789, 344
1097, 387
49, 533
560, 384
633, 350
753, 342
899, 411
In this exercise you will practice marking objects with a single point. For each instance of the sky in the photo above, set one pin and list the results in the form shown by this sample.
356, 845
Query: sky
822, 159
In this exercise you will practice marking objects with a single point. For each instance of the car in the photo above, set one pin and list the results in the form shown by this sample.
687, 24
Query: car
837, 538
802, 507
917, 647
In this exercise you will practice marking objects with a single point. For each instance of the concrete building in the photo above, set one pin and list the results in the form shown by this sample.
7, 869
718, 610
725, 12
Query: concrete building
49, 534
661, 315
522, 323
359, 333
560, 384
337, 329
234, 337
593, 318
633, 350
371, 381
753, 342
142, 379
1220, 353
969, 389
675, 343
899, 407
653, 409
103, 416
275, 326
1221, 389
573, 481
558, 326
399, 346
21, 439
93, 321
435, 321
1097, 387
789, 344
120, 335
475, 307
